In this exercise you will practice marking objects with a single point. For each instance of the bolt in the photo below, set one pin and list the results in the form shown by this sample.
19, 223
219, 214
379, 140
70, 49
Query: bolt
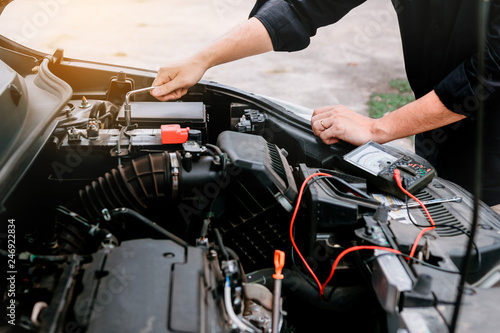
369, 230
85, 104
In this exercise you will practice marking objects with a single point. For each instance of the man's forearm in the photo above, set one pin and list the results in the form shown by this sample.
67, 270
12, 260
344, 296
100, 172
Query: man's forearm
424, 114
247, 39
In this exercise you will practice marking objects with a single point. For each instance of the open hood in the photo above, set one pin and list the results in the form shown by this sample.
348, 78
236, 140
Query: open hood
125, 214
3, 4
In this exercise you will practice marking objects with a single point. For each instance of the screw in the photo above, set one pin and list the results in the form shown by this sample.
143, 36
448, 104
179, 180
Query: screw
85, 104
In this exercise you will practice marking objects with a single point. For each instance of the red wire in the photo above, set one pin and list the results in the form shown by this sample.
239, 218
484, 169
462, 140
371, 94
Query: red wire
346, 251
301, 192
297, 205
397, 177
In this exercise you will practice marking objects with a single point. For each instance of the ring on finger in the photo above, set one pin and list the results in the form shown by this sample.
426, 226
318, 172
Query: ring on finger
324, 127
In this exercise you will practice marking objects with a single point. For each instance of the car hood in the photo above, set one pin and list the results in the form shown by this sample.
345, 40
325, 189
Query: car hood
3, 4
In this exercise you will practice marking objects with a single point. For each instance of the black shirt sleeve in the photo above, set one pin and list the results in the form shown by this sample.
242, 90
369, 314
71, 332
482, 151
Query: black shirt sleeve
291, 23
459, 90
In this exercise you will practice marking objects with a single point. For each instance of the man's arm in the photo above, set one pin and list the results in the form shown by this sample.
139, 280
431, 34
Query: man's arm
341, 123
248, 39
275, 24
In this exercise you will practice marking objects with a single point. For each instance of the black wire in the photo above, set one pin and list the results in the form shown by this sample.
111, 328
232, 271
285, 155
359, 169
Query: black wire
292, 250
408, 212
38, 258
148, 223
304, 276
423, 263
223, 158
222, 248
483, 13
315, 179
330, 294
351, 188
311, 282
73, 215
465, 232
315, 286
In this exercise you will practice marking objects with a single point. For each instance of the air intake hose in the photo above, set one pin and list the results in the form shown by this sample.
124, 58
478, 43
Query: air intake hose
148, 181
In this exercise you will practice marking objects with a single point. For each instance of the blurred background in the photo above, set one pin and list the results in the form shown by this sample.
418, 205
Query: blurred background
354, 62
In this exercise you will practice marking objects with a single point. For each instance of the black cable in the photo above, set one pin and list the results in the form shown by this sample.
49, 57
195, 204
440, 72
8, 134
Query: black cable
328, 298
234, 256
423, 263
302, 274
215, 148
408, 212
150, 224
292, 250
310, 282
351, 188
73, 215
306, 278
483, 13
98, 109
222, 248
223, 160
38, 258
315, 179
437, 225
73, 122
49, 258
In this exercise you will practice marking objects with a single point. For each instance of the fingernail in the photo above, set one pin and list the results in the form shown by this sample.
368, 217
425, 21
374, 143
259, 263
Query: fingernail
156, 91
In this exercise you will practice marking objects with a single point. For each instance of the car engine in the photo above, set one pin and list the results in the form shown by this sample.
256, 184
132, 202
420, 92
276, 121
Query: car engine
220, 212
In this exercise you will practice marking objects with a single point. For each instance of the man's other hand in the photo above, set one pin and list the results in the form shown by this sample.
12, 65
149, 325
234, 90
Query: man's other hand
334, 123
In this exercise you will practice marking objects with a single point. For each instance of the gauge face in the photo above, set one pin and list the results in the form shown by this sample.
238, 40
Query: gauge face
370, 158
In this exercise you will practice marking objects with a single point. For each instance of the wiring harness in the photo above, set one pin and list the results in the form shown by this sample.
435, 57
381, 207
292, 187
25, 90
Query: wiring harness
322, 286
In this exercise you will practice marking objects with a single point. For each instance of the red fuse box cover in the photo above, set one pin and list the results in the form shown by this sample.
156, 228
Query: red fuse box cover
171, 134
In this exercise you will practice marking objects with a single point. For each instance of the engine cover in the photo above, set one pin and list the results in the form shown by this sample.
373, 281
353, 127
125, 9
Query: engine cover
147, 285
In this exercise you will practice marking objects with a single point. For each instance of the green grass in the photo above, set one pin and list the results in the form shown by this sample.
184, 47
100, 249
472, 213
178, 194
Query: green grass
381, 103
403, 86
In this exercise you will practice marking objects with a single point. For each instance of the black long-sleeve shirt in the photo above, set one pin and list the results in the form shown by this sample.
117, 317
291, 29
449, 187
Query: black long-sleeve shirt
440, 42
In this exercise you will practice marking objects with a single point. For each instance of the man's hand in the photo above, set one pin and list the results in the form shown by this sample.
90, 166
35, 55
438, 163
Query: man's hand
173, 81
334, 123
247, 39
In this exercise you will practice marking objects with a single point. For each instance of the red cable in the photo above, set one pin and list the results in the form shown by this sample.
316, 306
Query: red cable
297, 205
346, 251
397, 177
301, 192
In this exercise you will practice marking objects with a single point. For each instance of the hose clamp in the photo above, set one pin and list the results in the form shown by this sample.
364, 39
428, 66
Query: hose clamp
174, 164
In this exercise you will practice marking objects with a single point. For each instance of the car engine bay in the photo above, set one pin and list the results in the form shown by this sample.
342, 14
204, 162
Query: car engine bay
133, 215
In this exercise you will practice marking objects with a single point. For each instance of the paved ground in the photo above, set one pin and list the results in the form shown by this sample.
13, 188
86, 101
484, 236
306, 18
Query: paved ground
344, 63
